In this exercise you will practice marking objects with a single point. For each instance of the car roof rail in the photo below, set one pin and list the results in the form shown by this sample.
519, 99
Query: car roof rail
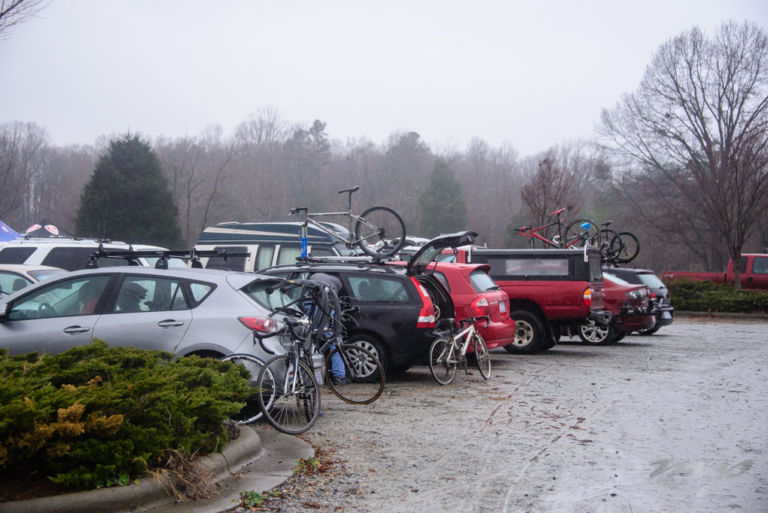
349, 259
162, 255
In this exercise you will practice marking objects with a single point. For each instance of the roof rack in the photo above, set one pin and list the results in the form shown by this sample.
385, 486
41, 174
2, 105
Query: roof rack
343, 260
132, 256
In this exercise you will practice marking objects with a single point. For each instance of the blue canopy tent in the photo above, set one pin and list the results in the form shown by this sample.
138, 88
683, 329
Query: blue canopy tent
7, 233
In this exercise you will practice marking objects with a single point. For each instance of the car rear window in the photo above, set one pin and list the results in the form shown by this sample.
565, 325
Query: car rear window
15, 255
374, 289
268, 295
481, 282
651, 280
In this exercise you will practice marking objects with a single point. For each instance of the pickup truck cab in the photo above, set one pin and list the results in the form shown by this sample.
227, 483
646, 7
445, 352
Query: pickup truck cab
753, 270
548, 289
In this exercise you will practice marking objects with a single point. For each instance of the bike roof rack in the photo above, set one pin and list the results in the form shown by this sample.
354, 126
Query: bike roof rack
358, 260
132, 256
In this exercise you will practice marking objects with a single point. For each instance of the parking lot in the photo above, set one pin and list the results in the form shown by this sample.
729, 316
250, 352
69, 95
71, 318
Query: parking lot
670, 422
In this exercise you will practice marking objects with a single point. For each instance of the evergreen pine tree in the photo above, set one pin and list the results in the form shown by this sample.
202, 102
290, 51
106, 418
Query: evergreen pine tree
127, 197
441, 206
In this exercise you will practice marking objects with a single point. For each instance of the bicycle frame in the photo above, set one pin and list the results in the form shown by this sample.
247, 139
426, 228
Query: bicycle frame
532, 233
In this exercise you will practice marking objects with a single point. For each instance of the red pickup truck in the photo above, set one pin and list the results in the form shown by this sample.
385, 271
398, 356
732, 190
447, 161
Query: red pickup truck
549, 290
753, 269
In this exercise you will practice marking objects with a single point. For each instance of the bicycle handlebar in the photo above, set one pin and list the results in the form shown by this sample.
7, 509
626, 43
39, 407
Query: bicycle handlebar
297, 210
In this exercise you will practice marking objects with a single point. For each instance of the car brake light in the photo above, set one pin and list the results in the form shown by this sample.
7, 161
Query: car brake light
587, 297
262, 325
653, 295
480, 307
427, 312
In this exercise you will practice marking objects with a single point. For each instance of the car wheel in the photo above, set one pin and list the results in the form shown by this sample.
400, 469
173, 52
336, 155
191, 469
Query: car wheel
529, 333
650, 331
596, 334
618, 338
374, 346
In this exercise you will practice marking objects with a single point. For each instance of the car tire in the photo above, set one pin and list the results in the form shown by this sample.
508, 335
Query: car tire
373, 345
618, 338
596, 334
650, 331
530, 334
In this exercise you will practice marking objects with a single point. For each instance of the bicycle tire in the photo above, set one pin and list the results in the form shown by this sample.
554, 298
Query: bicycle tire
580, 232
293, 411
363, 371
627, 248
252, 411
606, 240
379, 226
441, 365
482, 358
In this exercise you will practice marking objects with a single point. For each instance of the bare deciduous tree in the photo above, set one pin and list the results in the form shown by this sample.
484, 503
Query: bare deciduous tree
698, 128
14, 12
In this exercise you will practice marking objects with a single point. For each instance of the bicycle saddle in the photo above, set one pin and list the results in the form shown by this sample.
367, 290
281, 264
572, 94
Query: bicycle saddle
351, 189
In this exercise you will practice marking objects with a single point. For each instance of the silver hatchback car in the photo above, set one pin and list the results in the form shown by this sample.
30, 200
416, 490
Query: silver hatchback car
182, 311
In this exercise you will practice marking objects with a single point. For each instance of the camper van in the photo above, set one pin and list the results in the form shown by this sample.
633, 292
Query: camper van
267, 244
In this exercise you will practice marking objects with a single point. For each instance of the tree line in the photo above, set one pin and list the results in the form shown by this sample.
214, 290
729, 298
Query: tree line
682, 163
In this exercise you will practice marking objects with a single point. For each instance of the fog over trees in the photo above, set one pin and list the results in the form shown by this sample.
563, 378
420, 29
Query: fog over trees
682, 163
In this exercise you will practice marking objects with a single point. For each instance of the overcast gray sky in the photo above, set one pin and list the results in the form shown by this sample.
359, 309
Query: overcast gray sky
531, 74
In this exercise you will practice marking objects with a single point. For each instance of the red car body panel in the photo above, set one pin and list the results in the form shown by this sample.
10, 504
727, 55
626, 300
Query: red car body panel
629, 314
500, 331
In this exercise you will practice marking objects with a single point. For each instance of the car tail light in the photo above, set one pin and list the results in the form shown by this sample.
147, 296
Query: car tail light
261, 325
587, 297
480, 307
427, 312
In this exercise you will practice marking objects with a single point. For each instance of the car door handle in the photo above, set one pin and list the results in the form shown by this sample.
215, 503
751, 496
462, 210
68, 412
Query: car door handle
170, 323
72, 330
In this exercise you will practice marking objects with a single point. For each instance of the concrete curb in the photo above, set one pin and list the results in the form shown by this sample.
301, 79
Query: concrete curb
245, 461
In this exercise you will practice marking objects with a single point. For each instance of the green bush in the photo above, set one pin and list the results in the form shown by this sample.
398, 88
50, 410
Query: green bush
94, 413
705, 296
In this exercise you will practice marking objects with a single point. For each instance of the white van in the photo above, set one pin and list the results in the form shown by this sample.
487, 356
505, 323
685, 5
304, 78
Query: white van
267, 244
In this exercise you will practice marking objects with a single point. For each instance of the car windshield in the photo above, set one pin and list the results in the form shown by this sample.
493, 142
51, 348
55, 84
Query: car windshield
268, 293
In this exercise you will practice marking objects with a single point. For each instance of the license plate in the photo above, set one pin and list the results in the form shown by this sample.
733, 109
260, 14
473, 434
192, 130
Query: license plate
502, 307
666, 316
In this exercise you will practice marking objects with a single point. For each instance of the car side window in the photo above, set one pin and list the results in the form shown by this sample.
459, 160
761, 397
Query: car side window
150, 294
199, 291
11, 282
760, 265
62, 299
15, 255
377, 289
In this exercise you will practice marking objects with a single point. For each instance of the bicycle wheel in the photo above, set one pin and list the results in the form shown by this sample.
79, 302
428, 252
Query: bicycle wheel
626, 247
296, 403
252, 411
581, 232
380, 232
442, 362
606, 238
482, 357
364, 375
